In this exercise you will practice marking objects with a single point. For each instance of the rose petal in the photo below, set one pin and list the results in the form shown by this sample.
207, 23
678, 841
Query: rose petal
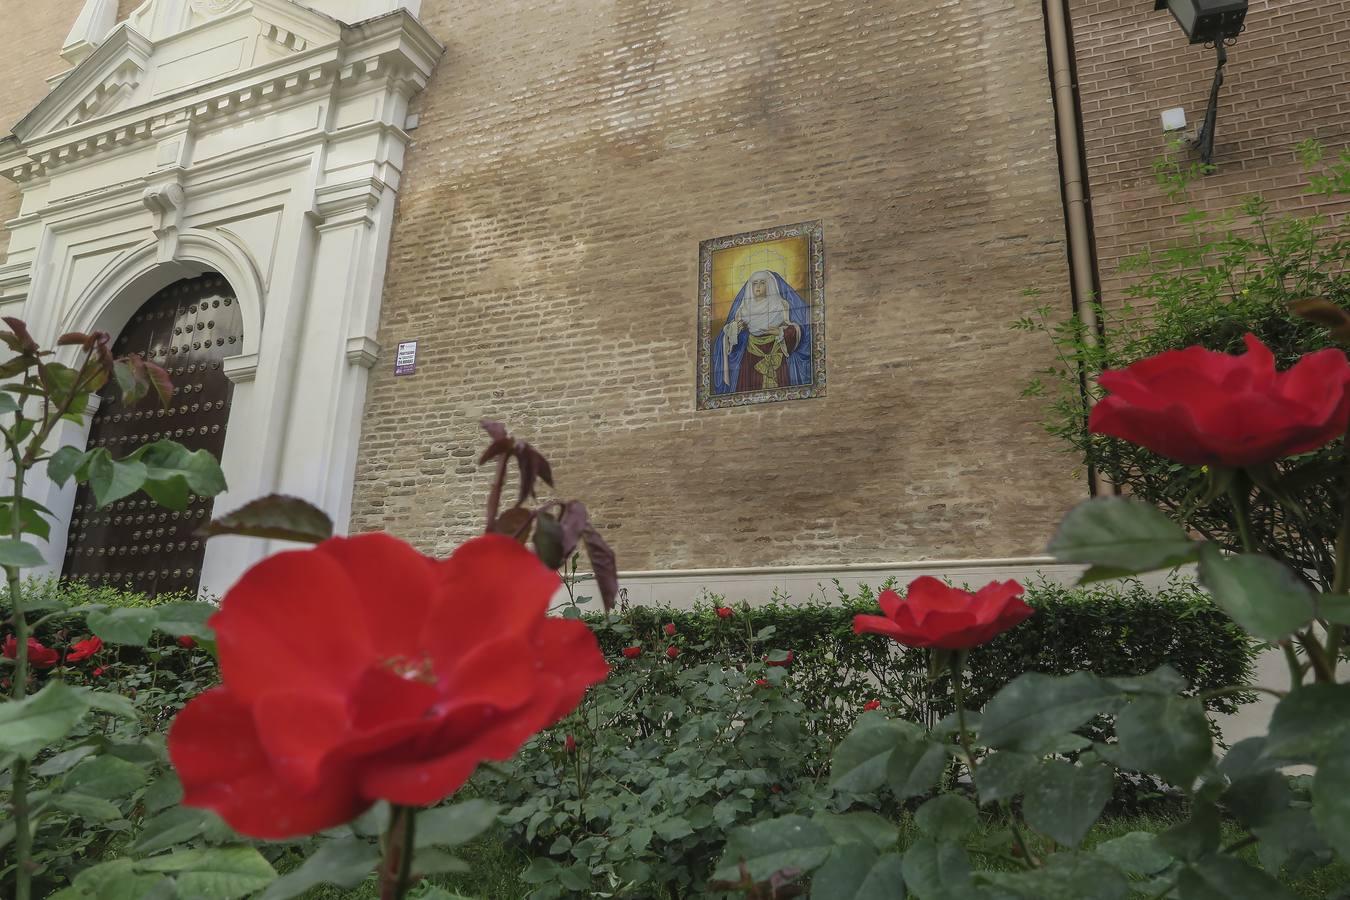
394, 585
494, 588
223, 766
263, 617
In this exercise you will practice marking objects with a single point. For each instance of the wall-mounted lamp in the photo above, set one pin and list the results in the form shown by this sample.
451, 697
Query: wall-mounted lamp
1216, 22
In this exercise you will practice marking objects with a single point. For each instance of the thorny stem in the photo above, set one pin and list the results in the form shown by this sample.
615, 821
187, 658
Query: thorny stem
1295, 667
1336, 632
396, 873
23, 835
963, 736
1239, 499
1240, 507
495, 495
1241, 844
23, 461
1241, 689
1324, 672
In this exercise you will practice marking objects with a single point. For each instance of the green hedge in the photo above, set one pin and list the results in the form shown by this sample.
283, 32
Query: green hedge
1118, 630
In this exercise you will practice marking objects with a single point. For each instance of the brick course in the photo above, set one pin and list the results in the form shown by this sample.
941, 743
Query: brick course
570, 157
1287, 79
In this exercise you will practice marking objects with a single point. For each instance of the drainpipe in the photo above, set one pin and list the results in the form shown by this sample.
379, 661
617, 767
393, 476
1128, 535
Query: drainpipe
1084, 281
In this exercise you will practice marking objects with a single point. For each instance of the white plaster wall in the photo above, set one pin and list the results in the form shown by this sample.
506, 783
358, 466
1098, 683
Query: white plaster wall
264, 143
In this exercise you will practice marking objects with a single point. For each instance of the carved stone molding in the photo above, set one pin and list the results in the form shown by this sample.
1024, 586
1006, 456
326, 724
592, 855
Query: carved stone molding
347, 202
362, 351
96, 19
241, 369
165, 201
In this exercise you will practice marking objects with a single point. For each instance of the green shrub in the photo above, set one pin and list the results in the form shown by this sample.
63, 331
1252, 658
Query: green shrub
1110, 630
671, 754
1231, 274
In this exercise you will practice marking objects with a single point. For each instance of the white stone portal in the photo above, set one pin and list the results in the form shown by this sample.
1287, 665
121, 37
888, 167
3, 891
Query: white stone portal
261, 139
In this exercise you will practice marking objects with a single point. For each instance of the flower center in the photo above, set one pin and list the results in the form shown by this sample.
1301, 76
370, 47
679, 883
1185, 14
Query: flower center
411, 669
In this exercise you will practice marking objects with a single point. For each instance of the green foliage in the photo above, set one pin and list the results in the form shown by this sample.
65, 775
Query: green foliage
1231, 274
1044, 800
1119, 629
670, 753
673, 753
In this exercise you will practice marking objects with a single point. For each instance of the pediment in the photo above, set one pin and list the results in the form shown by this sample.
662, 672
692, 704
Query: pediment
191, 46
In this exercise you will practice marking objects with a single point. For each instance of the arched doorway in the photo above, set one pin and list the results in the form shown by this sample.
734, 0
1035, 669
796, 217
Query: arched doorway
188, 328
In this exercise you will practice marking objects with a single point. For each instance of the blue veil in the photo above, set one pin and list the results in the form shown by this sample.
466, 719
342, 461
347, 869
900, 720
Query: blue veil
799, 360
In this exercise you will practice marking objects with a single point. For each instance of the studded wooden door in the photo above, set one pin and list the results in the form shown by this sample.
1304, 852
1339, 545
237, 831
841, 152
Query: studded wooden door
188, 328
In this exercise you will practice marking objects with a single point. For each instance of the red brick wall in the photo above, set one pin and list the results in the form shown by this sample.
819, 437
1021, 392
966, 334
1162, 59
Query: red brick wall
1288, 79
571, 156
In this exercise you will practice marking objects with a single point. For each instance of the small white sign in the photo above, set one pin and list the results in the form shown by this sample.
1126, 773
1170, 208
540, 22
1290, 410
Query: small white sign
405, 360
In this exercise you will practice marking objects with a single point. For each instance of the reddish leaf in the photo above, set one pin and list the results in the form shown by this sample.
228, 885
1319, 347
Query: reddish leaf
26, 344
548, 545
497, 448
103, 349
275, 516
1323, 312
92, 376
159, 382
75, 339
495, 430
12, 367
130, 381
532, 465
603, 565
575, 519
515, 523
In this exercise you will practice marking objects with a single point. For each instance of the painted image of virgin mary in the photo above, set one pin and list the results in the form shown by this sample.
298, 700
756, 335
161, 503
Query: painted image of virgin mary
765, 342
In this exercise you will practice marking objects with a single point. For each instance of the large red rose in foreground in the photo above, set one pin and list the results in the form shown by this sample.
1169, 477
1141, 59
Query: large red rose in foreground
1204, 408
935, 615
362, 670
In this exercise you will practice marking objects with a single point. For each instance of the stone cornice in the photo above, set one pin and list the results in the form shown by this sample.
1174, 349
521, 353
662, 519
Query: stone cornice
124, 41
394, 45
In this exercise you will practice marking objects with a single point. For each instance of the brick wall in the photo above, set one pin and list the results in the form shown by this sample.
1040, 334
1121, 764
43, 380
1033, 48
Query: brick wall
1287, 79
32, 37
570, 157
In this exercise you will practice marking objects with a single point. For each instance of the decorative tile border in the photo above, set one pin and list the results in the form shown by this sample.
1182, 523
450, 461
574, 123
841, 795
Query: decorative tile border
814, 232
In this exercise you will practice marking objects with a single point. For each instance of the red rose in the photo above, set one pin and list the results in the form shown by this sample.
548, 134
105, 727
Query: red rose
785, 661
98, 671
1199, 407
761, 682
935, 615
724, 612
777, 789
570, 744
412, 671
39, 657
672, 652
669, 629
84, 649
871, 705
186, 642
632, 652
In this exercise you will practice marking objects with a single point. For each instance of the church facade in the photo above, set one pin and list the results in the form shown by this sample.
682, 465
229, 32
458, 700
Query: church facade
744, 273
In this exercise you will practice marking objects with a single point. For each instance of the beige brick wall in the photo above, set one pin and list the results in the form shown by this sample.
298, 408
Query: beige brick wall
571, 156
31, 35
1287, 79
